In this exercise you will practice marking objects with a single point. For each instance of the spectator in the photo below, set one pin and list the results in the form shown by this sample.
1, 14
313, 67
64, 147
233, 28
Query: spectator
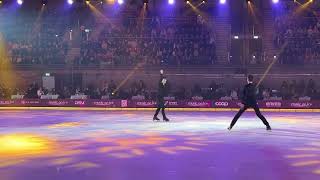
40, 92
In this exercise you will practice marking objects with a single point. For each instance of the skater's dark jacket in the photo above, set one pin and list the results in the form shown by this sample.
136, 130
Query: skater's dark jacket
249, 95
163, 89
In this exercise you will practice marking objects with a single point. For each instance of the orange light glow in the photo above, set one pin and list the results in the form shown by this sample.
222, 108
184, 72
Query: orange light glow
21, 144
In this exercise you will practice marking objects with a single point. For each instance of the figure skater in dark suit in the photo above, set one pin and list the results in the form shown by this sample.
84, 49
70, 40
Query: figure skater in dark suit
249, 101
162, 92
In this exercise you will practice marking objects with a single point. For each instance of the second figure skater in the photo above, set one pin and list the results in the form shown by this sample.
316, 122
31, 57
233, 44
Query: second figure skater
162, 92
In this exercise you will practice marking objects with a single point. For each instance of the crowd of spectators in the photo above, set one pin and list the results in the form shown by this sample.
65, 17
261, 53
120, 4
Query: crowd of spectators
34, 40
126, 41
139, 90
298, 33
154, 41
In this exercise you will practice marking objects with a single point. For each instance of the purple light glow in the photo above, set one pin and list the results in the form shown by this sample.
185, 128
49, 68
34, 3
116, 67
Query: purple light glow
120, 2
275, 1
19, 2
223, 1
171, 2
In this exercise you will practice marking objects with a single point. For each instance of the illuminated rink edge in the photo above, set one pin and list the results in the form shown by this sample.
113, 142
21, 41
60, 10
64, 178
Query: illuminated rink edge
152, 109
87, 141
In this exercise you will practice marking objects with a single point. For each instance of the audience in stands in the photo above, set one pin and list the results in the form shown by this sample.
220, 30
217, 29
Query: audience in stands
298, 34
139, 90
157, 41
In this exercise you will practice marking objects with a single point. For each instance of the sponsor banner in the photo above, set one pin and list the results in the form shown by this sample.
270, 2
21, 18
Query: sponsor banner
100, 103
7, 102
29, 102
290, 104
172, 104
304, 105
143, 104
226, 104
151, 104
57, 103
197, 104
124, 103
272, 104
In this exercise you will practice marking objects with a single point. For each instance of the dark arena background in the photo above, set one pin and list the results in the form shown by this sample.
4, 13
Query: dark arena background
79, 85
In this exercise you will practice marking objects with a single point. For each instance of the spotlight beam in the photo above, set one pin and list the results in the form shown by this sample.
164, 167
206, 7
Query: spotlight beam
133, 71
272, 63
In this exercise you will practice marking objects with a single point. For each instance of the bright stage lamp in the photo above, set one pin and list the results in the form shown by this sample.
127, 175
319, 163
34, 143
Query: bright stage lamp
20, 2
70, 2
120, 1
223, 1
171, 2
275, 1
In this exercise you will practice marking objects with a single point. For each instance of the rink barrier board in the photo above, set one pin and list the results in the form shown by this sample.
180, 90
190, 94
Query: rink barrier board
144, 105
153, 109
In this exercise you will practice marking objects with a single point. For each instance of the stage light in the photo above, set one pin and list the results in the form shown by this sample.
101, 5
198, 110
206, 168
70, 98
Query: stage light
44, 2
248, 1
275, 1
203, 2
223, 1
87, 2
70, 2
171, 2
255, 37
236, 37
188, 2
145, 1
0, 2
120, 2
20, 2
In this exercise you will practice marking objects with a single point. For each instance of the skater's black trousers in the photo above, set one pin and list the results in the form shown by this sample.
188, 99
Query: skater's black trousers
244, 108
160, 106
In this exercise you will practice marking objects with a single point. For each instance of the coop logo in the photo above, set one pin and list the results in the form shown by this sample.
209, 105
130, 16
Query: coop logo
301, 105
273, 104
6, 102
101, 103
221, 104
79, 103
